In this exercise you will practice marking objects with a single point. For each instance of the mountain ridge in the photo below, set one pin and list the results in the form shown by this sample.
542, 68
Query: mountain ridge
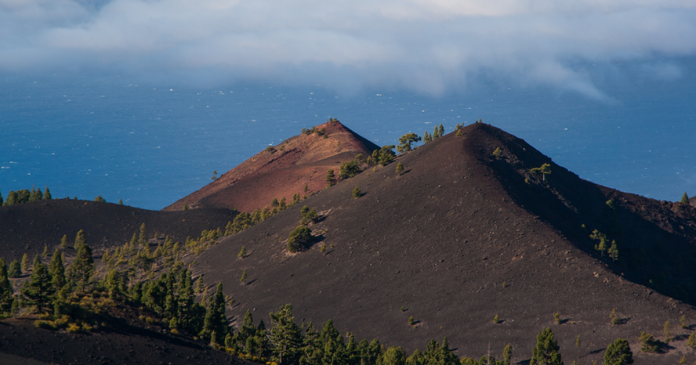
447, 241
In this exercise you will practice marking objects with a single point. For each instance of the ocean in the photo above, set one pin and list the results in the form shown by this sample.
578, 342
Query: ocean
151, 142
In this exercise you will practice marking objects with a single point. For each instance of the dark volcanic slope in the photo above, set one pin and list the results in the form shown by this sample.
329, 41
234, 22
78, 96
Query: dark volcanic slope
21, 343
459, 238
281, 172
27, 228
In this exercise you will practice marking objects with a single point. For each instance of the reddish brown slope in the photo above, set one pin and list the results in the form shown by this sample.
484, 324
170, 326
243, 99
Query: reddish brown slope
456, 239
300, 160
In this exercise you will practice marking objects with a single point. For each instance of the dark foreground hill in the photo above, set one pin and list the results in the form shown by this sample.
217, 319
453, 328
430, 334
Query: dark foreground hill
460, 237
123, 342
27, 228
289, 168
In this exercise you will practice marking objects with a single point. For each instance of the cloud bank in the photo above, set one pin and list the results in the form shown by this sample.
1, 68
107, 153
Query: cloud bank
427, 46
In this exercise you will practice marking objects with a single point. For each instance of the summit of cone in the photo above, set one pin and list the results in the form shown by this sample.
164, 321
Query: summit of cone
282, 170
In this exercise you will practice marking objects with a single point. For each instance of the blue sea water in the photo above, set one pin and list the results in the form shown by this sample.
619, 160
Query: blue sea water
151, 142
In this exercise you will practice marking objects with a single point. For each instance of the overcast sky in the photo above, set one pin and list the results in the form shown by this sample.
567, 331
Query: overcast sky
425, 46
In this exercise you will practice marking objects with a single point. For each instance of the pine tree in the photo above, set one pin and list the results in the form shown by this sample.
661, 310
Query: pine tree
248, 329
393, 356
6, 292
399, 168
99, 199
692, 341
441, 131
120, 202
436, 133
544, 170
1, 200
215, 318
285, 336
330, 178
133, 242
427, 138
244, 277
57, 270
45, 251
682, 322
507, 354
15, 269
64, 241
15, 307
185, 207
82, 268
405, 142
25, 263
143, 235
667, 331
199, 285
613, 251
80, 240
357, 193
685, 199
283, 205
37, 292
47, 194
546, 350
242, 253
618, 353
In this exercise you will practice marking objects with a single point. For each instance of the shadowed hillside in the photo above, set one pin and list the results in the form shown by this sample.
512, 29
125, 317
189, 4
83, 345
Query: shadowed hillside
282, 170
27, 228
460, 237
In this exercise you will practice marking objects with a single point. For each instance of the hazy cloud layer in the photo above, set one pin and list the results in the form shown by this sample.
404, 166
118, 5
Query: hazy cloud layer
429, 46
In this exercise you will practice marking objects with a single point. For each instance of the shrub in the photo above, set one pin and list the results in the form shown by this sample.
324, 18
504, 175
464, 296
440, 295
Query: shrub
399, 168
613, 317
357, 193
618, 353
48, 325
648, 343
73, 328
299, 238
411, 320
498, 153
270, 149
348, 169
330, 178
496, 319
557, 317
